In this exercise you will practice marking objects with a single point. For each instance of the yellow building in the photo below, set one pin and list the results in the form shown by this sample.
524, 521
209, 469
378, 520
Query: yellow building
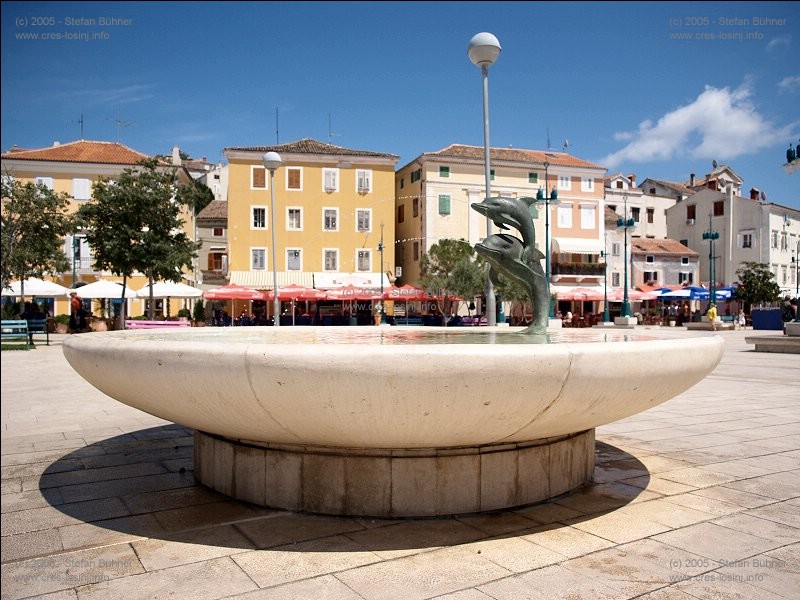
333, 206
72, 168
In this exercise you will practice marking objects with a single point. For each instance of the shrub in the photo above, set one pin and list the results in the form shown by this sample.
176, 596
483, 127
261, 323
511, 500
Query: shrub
199, 310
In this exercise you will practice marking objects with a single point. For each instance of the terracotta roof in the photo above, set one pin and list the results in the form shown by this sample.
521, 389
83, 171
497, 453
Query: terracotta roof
309, 146
216, 209
537, 157
82, 151
651, 246
678, 187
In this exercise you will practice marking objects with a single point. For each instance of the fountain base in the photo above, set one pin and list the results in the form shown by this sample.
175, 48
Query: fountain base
391, 482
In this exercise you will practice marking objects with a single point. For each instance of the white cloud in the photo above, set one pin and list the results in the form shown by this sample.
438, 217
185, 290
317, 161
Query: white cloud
789, 84
779, 43
720, 123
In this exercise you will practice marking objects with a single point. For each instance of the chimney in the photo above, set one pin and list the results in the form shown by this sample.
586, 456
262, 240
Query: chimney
176, 155
691, 179
754, 194
632, 177
56, 143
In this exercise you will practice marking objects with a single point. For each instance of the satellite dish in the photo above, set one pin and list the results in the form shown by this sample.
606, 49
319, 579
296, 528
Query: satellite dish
714, 164
763, 196
565, 144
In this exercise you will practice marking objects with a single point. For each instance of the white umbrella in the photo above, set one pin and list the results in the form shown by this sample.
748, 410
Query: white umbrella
103, 288
38, 288
170, 289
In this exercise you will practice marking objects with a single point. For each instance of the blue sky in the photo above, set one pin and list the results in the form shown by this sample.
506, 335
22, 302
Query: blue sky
614, 79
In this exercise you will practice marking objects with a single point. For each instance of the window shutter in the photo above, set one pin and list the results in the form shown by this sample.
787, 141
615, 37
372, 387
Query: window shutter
259, 177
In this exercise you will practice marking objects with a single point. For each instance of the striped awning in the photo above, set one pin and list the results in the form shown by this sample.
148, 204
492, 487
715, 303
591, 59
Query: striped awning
577, 245
264, 279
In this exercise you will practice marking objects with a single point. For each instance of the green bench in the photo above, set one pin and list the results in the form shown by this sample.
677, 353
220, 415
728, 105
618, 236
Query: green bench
15, 329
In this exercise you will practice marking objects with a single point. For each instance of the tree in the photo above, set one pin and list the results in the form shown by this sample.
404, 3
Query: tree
449, 270
134, 225
756, 284
35, 221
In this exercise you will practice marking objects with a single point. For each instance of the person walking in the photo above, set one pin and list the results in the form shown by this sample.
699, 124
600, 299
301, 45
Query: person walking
712, 316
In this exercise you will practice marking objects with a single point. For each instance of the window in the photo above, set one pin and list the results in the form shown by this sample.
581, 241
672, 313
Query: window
533, 178
215, 260
330, 180
719, 208
774, 244
294, 219
444, 171
613, 207
685, 277
565, 216
784, 241
330, 258
258, 217
691, 211
45, 181
330, 219
587, 184
294, 178
258, 178
364, 180
258, 259
564, 182
402, 182
363, 219
685, 243
650, 258
621, 185
491, 174
293, 259
415, 207
444, 204
745, 240
416, 251
651, 276
364, 260
587, 217
615, 279
401, 213
416, 175
684, 260
81, 189
651, 214
218, 232
635, 214
615, 249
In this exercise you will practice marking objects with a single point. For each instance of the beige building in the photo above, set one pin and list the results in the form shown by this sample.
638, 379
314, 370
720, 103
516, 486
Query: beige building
333, 206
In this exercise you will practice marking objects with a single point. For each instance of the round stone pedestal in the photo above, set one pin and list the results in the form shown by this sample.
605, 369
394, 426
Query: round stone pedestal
391, 482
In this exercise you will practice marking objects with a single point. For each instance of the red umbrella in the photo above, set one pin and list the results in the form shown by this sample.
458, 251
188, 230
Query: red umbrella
353, 292
297, 292
234, 292
406, 292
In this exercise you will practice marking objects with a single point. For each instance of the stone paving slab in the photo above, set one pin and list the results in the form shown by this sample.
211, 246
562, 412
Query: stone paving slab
696, 498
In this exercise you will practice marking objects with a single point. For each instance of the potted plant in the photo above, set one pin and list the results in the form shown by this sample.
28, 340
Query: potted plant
184, 314
61, 323
199, 315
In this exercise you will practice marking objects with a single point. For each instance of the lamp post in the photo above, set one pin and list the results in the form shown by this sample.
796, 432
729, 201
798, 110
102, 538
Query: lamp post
76, 255
604, 255
711, 235
625, 223
541, 196
483, 50
380, 249
272, 160
796, 261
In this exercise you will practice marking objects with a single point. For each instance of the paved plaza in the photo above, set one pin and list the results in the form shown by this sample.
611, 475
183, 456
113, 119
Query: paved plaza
696, 498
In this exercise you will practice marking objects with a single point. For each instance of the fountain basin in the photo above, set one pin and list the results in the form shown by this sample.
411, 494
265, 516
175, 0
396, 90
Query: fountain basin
391, 421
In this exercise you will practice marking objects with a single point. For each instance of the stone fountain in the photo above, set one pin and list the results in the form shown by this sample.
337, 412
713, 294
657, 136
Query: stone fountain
398, 421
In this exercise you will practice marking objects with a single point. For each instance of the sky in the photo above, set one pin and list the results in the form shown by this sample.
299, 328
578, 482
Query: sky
655, 89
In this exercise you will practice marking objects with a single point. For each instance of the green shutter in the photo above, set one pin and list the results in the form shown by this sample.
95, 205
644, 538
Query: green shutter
444, 204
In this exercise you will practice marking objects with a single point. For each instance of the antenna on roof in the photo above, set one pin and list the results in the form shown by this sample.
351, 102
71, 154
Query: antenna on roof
330, 135
81, 122
565, 145
120, 124
277, 139
714, 164
548, 138
763, 196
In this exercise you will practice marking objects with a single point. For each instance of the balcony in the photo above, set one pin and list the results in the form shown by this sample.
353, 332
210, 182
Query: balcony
577, 271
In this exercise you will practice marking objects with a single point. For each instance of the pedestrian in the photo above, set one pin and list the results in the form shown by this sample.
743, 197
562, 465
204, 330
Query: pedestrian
77, 316
712, 316
742, 319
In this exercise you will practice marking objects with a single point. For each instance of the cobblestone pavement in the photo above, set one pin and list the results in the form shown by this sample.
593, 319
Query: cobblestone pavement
696, 498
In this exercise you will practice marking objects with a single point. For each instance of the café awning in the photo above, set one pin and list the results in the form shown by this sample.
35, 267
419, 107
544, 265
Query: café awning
564, 245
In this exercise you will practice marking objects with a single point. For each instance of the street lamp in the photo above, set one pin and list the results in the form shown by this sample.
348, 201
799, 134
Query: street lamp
604, 255
625, 223
711, 235
483, 50
76, 256
551, 199
380, 249
796, 261
272, 160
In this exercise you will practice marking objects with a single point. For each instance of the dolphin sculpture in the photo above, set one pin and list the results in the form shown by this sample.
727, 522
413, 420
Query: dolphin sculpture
518, 259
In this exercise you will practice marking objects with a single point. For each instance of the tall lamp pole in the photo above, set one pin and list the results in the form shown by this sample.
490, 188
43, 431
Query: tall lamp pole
76, 254
625, 223
380, 249
604, 255
711, 235
272, 160
796, 261
541, 196
483, 50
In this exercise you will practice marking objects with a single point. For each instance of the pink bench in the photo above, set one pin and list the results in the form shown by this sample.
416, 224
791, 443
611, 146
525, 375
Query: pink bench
139, 324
